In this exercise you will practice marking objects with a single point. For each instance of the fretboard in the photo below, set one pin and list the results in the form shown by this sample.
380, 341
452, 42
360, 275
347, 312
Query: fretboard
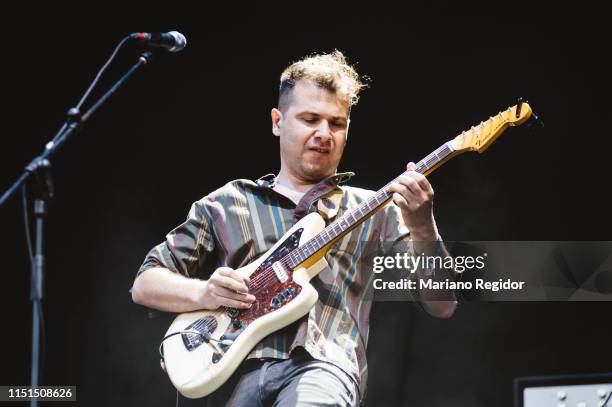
353, 217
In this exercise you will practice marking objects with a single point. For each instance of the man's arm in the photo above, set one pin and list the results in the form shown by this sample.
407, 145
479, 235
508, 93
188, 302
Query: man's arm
162, 289
414, 195
163, 283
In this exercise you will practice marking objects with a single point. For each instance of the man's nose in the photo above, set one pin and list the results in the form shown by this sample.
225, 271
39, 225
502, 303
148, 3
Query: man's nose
324, 131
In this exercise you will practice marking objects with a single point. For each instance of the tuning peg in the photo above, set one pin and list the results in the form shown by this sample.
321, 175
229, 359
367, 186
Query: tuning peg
519, 105
535, 123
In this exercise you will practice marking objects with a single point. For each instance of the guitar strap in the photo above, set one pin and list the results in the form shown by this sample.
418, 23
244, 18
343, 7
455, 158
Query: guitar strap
329, 204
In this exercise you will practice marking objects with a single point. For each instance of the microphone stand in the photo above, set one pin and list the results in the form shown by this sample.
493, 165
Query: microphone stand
40, 166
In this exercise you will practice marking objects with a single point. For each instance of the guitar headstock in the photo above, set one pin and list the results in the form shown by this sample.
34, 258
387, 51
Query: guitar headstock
480, 137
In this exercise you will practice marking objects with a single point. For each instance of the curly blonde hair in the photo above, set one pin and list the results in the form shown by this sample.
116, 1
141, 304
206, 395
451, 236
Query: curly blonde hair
329, 71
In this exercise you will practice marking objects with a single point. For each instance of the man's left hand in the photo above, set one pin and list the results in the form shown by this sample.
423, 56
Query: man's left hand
413, 193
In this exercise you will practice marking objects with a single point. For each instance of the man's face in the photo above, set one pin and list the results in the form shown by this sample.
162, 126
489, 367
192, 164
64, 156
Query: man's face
312, 131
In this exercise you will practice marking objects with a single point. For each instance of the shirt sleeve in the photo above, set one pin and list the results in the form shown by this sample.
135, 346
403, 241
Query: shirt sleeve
394, 229
395, 239
186, 247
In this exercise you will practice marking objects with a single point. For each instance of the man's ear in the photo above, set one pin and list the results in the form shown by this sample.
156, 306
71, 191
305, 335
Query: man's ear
277, 117
348, 122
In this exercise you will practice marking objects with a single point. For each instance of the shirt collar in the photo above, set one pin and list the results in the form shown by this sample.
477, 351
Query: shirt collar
269, 180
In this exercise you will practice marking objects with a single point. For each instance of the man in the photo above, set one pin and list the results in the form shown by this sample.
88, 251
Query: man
320, 359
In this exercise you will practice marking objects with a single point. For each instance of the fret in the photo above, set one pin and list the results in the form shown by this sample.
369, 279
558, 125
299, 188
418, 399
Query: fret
337, 228
324, 234
347, 224
323, 240
343, 224
350, 214
318, 241
331, 231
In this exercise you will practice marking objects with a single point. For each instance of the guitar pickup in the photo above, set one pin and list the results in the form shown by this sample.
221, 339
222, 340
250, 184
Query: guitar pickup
280, 272
282, 297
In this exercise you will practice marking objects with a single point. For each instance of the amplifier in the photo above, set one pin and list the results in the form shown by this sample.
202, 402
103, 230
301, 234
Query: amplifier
585, 390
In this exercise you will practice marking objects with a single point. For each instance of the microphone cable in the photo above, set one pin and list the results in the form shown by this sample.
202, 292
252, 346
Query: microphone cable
77, 109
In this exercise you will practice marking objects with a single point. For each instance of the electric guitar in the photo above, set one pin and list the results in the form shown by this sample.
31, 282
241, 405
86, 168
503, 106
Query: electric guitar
202, 349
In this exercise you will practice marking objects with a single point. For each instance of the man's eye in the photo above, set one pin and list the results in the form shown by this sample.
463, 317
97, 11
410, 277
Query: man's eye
310, 120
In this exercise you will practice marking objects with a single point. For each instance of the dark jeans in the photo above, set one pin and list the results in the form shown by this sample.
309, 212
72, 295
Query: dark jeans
298, 381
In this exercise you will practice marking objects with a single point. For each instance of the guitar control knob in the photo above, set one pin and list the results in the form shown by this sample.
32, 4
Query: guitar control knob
236, 323
233, 312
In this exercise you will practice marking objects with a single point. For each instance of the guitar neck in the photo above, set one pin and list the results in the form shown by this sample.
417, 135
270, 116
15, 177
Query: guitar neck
352, 218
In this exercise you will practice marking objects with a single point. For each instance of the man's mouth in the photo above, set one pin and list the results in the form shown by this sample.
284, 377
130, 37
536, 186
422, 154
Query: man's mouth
320, 150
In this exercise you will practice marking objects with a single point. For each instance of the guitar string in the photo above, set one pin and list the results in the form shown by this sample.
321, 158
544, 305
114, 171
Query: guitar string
292, 259
268, 274
287, 260
317, 242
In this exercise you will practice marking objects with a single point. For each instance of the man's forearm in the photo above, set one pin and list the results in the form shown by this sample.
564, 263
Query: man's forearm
162, 289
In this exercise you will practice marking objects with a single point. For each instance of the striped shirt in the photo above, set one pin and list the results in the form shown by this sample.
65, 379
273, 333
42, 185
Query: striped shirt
240, 221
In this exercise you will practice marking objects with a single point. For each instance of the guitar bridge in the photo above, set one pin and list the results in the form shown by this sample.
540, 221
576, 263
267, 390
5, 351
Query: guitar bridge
205, 326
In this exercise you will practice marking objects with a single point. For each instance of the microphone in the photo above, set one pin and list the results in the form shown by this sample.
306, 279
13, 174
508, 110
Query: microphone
172, 41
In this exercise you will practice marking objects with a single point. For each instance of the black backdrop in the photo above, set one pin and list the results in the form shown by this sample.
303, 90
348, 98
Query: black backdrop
190, 122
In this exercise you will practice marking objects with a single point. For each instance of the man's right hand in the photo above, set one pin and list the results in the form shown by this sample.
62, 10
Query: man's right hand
226, 287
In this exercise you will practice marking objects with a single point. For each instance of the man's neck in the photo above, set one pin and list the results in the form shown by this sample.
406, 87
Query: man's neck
292, 187
293, 183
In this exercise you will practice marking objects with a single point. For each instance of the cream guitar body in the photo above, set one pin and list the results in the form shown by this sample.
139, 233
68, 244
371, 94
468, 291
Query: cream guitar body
198, 364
